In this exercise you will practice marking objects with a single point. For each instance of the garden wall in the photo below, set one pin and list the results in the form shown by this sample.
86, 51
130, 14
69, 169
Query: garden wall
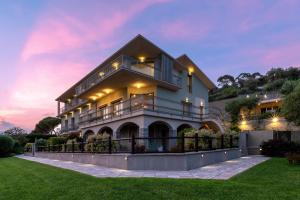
256, 138
157, 161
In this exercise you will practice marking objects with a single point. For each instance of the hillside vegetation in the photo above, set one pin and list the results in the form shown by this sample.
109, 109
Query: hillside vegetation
276, 79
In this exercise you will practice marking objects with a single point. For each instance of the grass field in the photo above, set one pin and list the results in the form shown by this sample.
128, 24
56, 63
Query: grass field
21, 179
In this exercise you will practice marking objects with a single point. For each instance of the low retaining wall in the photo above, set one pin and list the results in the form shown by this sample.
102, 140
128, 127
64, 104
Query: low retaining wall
157, 161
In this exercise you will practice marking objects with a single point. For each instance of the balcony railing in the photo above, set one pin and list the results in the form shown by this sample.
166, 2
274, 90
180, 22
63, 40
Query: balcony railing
142, 103
69, 128
73, 104
129, 63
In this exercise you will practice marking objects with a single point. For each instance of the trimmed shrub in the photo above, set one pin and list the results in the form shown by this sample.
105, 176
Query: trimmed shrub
279, 148
57, 140
75, 136
6, 145
41, 142
18, 148
69, 144
28, 147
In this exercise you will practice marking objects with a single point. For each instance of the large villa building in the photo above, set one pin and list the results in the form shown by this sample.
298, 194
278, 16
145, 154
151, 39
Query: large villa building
140, 90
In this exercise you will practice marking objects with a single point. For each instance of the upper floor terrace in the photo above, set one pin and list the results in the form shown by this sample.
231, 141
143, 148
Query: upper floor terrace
151, 69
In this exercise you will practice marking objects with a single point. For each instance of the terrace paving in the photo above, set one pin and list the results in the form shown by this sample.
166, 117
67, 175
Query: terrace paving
221, 171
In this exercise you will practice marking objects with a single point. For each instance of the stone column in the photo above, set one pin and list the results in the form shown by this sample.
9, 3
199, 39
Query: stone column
243, 143
144, 133
172, 142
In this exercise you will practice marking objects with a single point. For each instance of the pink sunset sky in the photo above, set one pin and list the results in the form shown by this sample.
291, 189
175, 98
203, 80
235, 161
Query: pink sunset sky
46, 46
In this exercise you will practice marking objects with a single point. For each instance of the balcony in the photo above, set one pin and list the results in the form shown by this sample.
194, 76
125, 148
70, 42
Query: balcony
147, 103
69, 128
72, 105
148, 69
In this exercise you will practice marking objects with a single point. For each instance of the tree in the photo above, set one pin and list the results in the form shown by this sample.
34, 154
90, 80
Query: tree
288, 87
46, 126
15, 131
234, 107
290, 108
225, 81
275, 73
242, 78
18, 134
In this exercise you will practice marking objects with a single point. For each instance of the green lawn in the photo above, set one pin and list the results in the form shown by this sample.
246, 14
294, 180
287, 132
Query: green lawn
20, 179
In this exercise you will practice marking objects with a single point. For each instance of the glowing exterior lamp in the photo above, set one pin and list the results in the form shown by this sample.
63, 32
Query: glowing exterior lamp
101, 74
100, 94
115, 65
201, 103
80, 109
186, 99
191, 70
89, 106
275, 119
244, 122
93, 98
72, 114
107, 90
265, 96
142, 59
69, 100
139, 85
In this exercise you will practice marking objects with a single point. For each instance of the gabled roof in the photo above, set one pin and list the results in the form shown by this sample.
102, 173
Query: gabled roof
186, 62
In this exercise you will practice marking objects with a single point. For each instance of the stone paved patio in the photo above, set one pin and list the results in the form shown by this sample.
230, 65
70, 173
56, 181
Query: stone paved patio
223, 171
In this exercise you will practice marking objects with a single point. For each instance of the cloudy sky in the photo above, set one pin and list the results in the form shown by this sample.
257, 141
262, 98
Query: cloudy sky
46, 46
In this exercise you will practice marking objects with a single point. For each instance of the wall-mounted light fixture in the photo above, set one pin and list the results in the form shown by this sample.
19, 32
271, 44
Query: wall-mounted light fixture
191, 70
116, 65
201, 103
89, 106
101, 74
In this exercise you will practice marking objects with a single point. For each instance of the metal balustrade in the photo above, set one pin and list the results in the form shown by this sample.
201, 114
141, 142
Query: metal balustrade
142, 103
147, 145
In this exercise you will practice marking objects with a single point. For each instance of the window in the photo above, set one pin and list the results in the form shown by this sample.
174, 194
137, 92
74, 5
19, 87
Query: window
117, 107
145, 101
66, 124
72, 122
186, 108
104, 112
190, 83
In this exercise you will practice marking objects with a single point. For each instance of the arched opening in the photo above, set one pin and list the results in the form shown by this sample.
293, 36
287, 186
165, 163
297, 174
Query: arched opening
87, 134
159, 133
211, 125
182, 127
106, 130
127, 130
